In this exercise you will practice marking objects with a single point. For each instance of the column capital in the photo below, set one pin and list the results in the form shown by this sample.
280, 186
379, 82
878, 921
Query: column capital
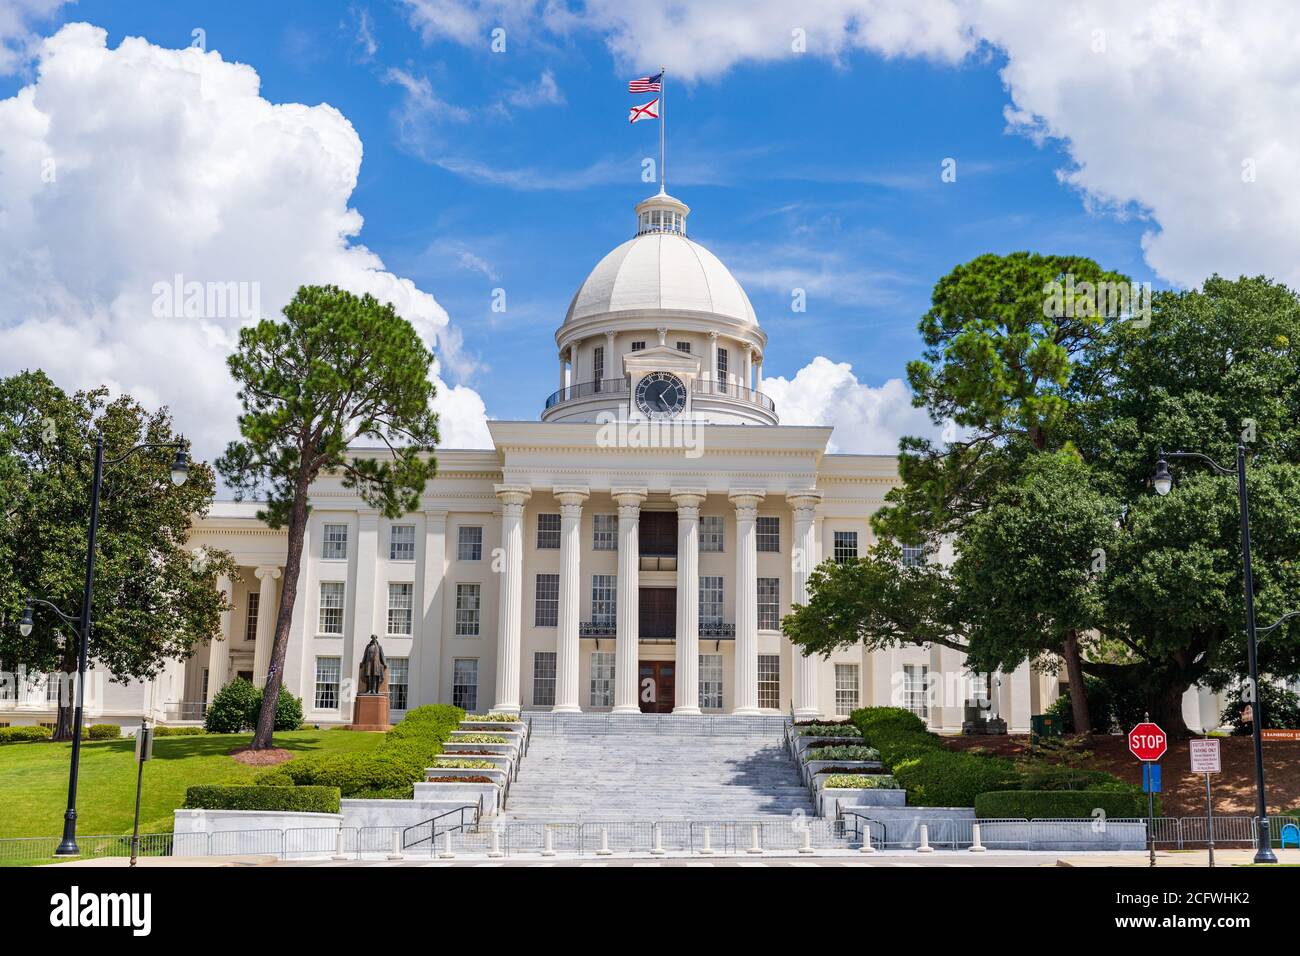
713, 334
267, 571
514, 495
688, 497
746, 497
804, 499
630, 497
571, 495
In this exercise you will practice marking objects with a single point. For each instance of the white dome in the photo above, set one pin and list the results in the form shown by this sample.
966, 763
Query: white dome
661, 271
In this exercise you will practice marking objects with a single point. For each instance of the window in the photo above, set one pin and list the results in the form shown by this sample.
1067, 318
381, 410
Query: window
327, 683
768, 533
401, 542
250, 619
846, 546
399, 608
467, 610
604, 532
638, 346
546, 605
203, 691
711, 530
399, 678
544, 679
548, 532
915, 677
722, 369
711, 681
469, 543
913, 555
331, 608
769, 604
846, 689
769, 681
602, 679
710, 600
604, 599
598, 365
335, 545
464, 683
684, 347
53, 685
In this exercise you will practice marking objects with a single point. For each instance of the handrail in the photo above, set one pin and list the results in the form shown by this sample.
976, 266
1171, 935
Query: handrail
709, 388
604, 386
432, 823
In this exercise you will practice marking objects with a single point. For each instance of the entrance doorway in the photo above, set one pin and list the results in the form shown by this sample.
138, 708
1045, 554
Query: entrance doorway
655, 686
658, 614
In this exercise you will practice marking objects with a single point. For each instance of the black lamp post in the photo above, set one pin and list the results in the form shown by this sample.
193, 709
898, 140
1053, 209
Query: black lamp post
180, 468
1163, 482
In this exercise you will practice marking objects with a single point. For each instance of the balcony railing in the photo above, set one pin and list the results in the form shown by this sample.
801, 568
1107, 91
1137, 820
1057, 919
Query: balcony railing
185, 709
619, 386
707, 632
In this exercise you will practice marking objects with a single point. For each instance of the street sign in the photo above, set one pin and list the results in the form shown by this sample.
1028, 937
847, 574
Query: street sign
1147, 741
1205, 755
1151, 778
144, 744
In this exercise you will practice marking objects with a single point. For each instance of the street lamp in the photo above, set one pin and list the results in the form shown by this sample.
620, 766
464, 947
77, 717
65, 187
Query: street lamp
179, 470
1163, 482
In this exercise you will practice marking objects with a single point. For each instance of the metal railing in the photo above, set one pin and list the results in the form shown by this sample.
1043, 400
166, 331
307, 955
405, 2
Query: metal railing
705, 725
416, 834
570, 393
185, 709
703, 387
732, 390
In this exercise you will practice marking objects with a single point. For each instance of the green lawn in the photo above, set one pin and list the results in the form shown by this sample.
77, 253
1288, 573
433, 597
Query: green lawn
34, 778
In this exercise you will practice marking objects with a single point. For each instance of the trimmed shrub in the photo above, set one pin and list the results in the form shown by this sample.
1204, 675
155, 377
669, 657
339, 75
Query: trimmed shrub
843, 752
829, 730
236, 707
273, 778
301, 799
104, 732
24, 734
229, 710
179, 731
1062, 804
945, 778
861, 781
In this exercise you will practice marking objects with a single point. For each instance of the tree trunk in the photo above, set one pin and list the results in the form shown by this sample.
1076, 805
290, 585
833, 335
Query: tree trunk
1078, 693
1167, 709
288, 597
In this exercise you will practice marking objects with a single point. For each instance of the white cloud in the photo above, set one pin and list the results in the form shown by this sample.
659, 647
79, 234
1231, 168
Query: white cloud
543, 92
123, 168
867, 419
17, 18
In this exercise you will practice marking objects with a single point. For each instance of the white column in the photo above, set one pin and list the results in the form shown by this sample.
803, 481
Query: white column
563, 380
219, 646
512, 595
803, 558
1018, 712
628, 642
430, 644
688, 599
748, 356
267, 608
566, 636
758, 375
746, 689
609, 358
711, 373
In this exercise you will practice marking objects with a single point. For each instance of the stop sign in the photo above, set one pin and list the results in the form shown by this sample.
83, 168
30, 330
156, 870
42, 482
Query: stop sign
1148, 741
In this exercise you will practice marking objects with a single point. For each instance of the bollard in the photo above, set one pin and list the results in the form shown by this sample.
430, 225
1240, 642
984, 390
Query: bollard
446, 853
495, 852
339, 852
807, 840
604, 849
758, 846
866, 841
925, 840
707, 849
548, 847
658, 848
397, 846
975, 845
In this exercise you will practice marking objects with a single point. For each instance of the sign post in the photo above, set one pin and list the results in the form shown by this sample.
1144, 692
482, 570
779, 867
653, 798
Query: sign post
143, 752
1148, 743
1205, 759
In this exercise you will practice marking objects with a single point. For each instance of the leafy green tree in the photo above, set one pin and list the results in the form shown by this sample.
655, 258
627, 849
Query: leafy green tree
154, 599
339, 369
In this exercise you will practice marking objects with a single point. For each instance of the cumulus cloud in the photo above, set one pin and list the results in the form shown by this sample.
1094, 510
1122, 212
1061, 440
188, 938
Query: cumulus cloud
130, 172
17, 18
867, 419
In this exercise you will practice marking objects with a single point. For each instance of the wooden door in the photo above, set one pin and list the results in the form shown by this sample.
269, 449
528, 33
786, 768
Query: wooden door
655, 686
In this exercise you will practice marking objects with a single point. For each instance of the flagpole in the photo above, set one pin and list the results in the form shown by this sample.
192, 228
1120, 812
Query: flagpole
663, 122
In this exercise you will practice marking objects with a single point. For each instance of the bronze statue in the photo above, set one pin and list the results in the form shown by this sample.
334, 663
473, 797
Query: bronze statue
373, 665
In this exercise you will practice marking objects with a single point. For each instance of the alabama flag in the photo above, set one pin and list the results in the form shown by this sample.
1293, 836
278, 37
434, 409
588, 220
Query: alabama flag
648, 111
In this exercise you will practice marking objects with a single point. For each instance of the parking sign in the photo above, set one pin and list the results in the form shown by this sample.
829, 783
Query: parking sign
1205, 755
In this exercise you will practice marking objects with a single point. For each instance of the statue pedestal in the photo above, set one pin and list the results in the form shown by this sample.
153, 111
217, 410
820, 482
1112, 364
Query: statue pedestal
370, 712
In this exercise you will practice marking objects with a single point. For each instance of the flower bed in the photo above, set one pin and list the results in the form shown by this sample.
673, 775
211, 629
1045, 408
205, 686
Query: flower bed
461, 780
829, 730
464, 763
860, 781
844, 752
462, 737
494, 718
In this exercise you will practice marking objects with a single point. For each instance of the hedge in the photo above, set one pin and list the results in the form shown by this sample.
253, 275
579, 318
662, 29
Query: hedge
388, 771
861, 781
178, 731
238, 705
301, 799
843, 752
946, 778
1061, 804
104, 732
24, 734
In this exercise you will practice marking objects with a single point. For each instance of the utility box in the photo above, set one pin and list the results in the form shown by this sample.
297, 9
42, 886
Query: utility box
1044, 725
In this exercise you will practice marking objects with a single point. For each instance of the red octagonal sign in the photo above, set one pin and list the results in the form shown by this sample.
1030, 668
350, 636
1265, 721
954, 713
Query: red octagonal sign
1148, 741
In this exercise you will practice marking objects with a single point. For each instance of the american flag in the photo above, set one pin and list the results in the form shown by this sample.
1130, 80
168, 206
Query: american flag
647, 84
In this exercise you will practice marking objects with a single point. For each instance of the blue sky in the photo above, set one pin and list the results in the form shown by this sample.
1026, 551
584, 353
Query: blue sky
807, 171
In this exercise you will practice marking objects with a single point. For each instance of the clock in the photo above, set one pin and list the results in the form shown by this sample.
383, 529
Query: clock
661, 395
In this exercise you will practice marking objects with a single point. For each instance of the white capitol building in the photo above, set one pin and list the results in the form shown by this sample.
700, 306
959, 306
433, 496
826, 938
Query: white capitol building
634, 550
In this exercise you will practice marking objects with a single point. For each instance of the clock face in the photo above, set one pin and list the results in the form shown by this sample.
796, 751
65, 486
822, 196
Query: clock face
661, 395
